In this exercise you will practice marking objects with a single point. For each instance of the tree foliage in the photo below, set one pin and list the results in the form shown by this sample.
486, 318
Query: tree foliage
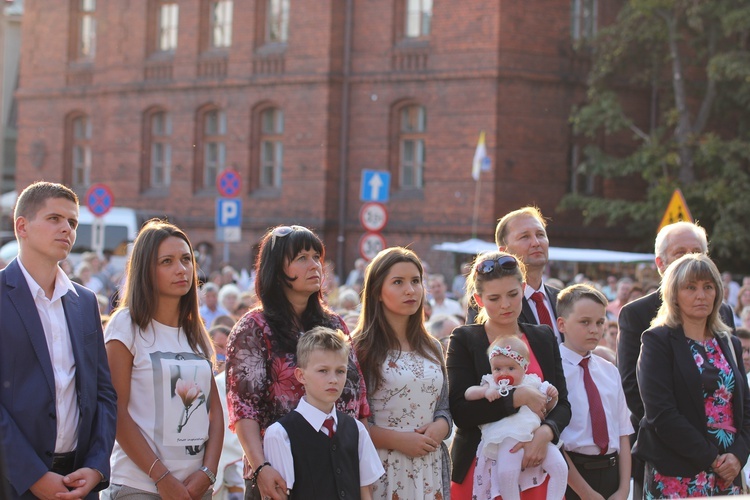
689, 63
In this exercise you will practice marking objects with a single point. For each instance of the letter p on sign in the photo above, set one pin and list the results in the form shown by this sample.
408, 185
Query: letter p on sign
228, 212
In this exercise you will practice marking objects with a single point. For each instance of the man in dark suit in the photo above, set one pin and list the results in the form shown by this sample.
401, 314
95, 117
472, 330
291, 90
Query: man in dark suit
672, 242
523, 233
57, 403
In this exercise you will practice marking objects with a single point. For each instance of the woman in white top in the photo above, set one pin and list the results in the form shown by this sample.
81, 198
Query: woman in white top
169, 418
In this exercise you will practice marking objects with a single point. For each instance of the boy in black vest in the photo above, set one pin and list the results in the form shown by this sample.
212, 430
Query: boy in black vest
320, 452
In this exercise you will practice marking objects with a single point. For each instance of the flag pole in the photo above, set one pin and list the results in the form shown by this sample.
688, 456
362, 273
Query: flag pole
475, 217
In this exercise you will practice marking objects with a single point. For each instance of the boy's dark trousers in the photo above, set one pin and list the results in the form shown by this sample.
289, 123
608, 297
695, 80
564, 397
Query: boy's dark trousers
601, 472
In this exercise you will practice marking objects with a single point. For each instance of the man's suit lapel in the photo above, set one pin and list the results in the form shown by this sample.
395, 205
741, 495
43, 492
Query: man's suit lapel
21, 298
527, 315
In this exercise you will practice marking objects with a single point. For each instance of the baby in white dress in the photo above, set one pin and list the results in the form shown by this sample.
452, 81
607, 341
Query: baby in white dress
509, 358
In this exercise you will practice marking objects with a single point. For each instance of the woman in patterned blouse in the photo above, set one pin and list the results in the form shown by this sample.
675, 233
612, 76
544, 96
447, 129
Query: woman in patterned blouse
261, 387
695, 435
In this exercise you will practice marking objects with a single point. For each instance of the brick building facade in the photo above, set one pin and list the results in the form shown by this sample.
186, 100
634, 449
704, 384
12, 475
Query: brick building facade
156, 97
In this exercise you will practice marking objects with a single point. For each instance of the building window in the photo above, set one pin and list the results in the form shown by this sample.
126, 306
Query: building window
83, 46
581, 182
81, 152
160, 130
166, 36
221, 24
584, 17
277, 21
271, 148
214, 146
413, 125
418, 18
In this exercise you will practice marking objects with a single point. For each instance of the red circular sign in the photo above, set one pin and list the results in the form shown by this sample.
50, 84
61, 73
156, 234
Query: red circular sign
228, 183
373, 216
99, 199
370, 244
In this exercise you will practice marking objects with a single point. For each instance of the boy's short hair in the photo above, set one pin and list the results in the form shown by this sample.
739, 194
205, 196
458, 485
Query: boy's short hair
320, 337
567, 298
35, 195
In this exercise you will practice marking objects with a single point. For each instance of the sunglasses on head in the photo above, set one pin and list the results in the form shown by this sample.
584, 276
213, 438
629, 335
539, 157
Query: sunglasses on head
282, 231
507, 262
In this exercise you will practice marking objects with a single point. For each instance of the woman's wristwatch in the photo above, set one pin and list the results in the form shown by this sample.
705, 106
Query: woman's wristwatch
207, 471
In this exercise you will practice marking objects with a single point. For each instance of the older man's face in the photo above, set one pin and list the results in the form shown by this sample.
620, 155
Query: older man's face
746, 354
681, 242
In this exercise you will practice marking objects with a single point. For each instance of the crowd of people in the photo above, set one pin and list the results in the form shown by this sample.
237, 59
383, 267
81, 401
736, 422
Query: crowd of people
503, 382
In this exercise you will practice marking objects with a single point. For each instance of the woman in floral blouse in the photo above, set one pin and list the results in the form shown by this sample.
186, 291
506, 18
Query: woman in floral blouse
695, 435
261, 387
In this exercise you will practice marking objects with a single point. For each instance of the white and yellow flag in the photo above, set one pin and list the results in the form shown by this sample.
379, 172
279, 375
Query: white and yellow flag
481, 160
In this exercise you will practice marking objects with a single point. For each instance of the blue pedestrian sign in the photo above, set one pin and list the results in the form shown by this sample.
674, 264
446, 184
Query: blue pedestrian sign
228, 212
376, 185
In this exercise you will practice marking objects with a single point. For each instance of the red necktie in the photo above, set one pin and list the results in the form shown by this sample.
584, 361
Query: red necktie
328, 424
598, 419
541, 309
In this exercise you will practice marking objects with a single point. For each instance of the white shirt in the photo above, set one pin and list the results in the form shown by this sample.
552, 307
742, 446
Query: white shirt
578, 436
52, 316
527, 292
449, 306
278, 449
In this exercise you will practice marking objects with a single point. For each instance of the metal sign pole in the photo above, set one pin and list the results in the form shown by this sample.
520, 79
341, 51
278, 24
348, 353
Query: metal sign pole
97, 236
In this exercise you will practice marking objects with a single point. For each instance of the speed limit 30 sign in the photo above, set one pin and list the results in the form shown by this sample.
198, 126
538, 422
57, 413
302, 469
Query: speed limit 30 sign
370, 244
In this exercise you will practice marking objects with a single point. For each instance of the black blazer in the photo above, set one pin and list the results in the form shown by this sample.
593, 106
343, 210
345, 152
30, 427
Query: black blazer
673, 433
635, 318
467, 362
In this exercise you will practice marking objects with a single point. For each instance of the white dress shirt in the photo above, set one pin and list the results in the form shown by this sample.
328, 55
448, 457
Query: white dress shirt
278, 449
578, 436
527, 292
52, 316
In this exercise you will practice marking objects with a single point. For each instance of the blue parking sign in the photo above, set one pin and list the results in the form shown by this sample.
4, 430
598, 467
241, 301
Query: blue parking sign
228, 212
375, 186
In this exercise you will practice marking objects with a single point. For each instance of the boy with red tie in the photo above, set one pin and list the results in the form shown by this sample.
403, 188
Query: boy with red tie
319, 451
596, 441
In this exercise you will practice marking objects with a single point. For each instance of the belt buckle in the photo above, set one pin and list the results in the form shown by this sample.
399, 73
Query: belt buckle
612, 461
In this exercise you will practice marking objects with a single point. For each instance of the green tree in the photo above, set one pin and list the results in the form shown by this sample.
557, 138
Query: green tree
689, 63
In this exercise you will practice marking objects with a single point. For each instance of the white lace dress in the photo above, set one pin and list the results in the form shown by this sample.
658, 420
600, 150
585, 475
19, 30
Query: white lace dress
406, 401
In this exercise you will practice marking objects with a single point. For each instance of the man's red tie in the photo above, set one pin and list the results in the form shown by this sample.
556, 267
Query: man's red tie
598, 419
328, 424
541, 309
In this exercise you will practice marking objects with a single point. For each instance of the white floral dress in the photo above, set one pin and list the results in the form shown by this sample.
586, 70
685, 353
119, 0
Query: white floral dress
405, 401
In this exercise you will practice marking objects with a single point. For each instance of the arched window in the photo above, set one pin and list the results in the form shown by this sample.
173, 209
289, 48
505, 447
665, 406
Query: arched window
211, 150
157, 150
271, 147
412, 120
77, 163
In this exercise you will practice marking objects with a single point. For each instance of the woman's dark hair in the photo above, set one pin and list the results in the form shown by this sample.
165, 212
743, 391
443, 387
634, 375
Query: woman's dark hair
374, 336
277, 249
140, 293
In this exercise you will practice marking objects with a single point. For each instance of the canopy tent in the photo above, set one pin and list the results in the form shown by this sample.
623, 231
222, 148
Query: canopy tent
475, 246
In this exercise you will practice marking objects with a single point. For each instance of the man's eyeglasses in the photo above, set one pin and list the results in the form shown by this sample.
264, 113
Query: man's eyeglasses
746, 350
282, 231
507, 262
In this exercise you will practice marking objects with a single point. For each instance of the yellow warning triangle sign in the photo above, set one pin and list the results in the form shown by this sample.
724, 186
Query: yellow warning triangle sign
677, 210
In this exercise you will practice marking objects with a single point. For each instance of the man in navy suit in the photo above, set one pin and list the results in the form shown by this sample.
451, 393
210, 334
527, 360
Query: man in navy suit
57, 403
523, 233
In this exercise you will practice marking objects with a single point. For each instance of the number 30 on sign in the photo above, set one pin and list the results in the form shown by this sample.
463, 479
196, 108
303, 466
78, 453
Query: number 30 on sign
370, 245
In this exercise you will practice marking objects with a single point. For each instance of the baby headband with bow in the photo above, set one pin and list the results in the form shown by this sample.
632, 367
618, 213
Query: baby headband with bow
509, 352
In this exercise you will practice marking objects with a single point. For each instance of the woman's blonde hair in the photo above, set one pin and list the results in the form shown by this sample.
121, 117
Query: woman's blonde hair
690, 267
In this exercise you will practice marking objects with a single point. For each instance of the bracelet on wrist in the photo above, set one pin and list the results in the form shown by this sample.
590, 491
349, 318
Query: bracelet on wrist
160, 478
254, 478
151, 469
211, 476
